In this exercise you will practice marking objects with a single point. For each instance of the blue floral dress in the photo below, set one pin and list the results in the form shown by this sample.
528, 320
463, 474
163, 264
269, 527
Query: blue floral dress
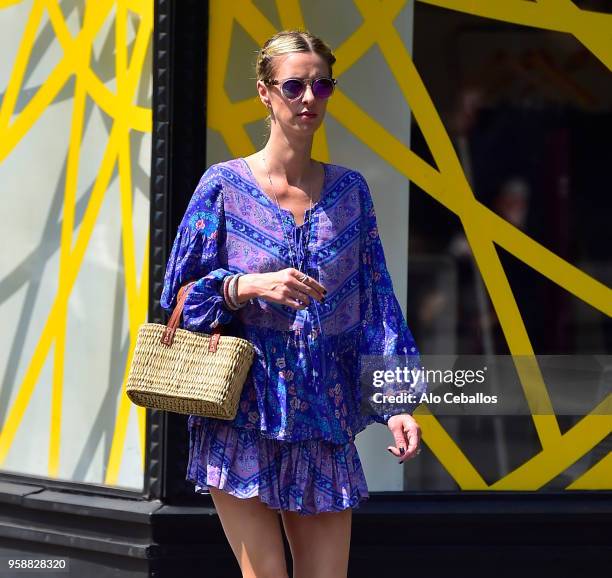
292, 441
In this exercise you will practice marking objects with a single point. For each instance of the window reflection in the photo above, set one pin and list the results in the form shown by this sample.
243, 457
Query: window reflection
529, 115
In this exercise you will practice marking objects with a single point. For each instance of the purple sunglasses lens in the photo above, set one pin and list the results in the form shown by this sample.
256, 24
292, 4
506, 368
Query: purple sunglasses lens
293, 88
321, 88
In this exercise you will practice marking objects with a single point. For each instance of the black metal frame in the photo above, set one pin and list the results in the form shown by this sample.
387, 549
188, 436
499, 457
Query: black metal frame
178, 160
159, 209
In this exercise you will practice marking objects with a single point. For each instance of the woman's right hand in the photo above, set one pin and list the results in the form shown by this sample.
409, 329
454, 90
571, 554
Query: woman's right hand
282, 287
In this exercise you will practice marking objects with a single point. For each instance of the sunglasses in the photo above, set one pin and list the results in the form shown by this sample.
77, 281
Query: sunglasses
293, 88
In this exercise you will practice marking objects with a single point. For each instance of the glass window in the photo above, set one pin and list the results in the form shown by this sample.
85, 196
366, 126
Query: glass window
448, 103
74, 173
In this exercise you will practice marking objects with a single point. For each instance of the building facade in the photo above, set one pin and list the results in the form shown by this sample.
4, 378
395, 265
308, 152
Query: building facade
483, 132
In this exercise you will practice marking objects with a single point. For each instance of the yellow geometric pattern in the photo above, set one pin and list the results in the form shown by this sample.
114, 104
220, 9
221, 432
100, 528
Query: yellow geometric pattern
449, 186
126, 117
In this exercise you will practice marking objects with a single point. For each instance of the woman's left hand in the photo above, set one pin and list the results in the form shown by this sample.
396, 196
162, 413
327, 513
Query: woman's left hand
407, 435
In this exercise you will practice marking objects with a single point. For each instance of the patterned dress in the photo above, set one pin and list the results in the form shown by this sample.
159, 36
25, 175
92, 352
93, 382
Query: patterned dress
292, 441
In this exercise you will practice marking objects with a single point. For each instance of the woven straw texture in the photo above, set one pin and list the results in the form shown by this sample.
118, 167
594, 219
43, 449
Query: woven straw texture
186, 377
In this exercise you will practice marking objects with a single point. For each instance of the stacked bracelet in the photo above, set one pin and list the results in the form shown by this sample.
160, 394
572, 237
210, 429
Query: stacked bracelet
230, 292
226, 296
233, 291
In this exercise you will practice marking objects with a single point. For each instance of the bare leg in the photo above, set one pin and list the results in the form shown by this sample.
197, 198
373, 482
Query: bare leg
319, 544
254, 533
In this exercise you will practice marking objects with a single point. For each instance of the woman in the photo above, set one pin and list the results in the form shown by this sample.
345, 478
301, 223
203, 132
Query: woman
285, 252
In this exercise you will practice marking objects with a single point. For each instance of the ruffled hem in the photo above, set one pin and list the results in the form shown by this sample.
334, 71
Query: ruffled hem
308, 476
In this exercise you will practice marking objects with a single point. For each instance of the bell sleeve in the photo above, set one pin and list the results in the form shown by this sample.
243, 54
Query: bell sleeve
198, 254
385, 335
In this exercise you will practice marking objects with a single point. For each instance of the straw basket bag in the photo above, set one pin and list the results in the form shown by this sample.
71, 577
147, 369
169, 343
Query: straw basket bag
183, 371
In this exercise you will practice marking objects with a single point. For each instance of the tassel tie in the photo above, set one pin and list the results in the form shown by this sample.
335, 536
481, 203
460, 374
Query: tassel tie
313, 334
310, 334
304, 316
300, 242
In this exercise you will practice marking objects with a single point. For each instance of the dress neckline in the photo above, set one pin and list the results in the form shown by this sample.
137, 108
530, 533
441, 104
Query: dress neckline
288, 212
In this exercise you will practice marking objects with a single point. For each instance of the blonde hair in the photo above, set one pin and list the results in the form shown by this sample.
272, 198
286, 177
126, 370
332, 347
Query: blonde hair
286, 42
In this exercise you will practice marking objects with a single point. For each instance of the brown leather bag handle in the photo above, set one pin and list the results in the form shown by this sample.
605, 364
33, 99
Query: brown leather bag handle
168, 336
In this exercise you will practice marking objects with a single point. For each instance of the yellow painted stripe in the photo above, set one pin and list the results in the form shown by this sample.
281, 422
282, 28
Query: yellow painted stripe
452, 458
16, 411
70, 189
140, 118
541, 259
558, 456
21, 62
7, 3
598, 477
127, 117
525, 13
373, 135
48, 91
446, 159
590, 28
127, 81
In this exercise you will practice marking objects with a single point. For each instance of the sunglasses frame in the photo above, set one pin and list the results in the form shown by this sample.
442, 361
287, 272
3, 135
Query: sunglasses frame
305, 82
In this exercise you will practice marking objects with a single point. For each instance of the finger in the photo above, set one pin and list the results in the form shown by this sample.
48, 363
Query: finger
311, 285
400, 442
316, 285
315, 292
412, 439
401, 435
307, 286
300, 296
294, 298
312, 282
290, 300
416, 432
404, 448
412, 454
295, 303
